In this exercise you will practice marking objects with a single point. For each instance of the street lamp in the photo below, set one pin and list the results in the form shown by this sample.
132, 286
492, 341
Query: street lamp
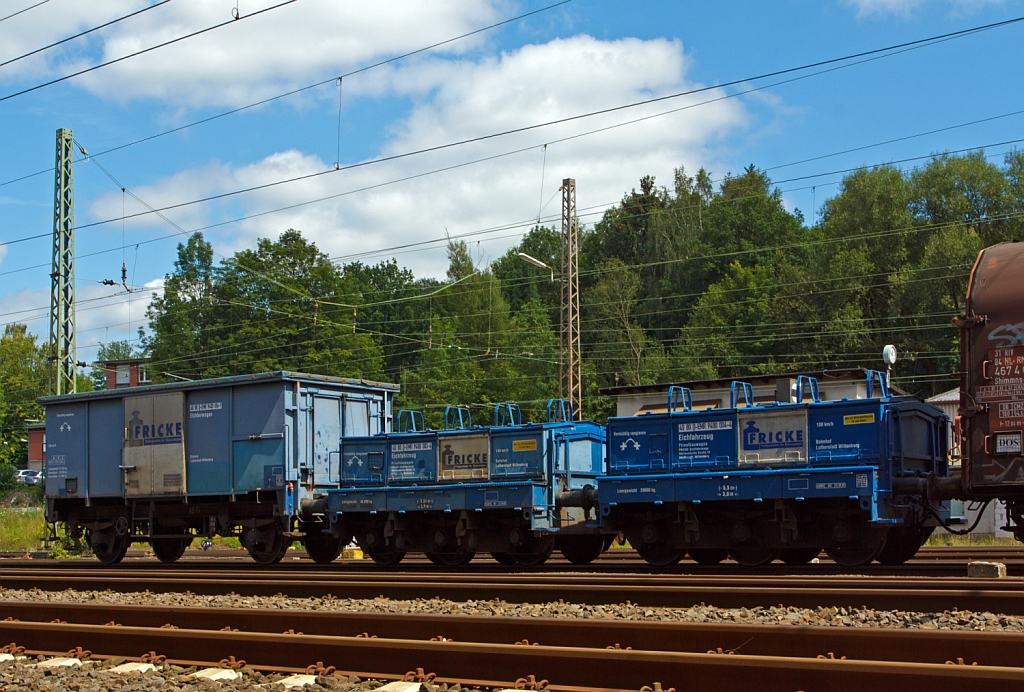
537, 263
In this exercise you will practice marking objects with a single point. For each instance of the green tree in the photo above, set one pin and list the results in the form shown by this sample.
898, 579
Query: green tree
390, 311
625, 353
183, 320
445, 375
24, 377
522, 282
280, 306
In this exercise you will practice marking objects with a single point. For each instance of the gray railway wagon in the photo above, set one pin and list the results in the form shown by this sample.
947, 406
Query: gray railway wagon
245, 456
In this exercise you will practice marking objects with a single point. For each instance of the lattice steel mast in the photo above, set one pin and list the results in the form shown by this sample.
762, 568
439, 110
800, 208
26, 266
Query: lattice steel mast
570, 386
62, 291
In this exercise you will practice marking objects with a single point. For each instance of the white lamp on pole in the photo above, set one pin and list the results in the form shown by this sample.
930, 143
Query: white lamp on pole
537, 263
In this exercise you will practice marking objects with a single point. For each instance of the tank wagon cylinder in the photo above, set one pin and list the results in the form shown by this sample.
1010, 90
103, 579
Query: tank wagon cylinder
991, 411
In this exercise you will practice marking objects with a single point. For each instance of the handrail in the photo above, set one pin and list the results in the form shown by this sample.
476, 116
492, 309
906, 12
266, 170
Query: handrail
559, 411
457, 418
507, 414
883, 383
410, 421
679, 395
748, 394
812, 386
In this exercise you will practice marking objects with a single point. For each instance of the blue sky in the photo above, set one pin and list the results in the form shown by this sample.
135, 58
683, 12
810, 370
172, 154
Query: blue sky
581, 56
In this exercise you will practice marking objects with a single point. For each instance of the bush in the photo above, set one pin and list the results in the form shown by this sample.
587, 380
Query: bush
7, 471
21, 529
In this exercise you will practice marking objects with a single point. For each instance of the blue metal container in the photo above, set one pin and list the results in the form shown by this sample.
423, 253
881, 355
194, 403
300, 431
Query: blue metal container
412, 458
226, 436
519, 451
362, 460
848, 449
463, 450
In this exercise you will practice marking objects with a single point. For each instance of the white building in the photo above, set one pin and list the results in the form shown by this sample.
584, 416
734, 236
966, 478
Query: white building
833, 385
994, 516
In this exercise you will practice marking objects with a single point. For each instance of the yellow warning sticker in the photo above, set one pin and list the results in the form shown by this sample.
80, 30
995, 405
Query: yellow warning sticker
524, 445
859, 418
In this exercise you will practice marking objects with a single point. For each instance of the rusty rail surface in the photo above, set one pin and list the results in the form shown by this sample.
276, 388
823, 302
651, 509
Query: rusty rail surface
575, 666
877, 644
931, 561
994, 595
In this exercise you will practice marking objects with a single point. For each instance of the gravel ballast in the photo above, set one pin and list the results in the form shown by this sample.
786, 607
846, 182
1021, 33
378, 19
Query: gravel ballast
774, 615
24, 675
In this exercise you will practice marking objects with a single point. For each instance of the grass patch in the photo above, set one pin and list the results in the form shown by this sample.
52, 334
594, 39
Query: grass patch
224, 542
955, 541
21, 529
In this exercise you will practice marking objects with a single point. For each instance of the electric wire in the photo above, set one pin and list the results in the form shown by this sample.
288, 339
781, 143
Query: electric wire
79, 34
24, 10
394, 157
302, 89
143, 51
544, 147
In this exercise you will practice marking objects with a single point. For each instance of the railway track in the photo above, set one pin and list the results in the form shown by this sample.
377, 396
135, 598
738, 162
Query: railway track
571, 654
932, 561
1003, 596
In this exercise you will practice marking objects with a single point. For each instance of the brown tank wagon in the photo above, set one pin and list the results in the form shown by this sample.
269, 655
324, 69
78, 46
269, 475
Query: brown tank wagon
991, 413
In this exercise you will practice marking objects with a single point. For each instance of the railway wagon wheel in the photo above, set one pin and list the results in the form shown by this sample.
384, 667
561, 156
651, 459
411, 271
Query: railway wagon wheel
798, 556
109, 547
660, 556
752, 554
386, 558
450, 559
267, 545
581, 550
752, 546
901, 544
504, 559
861, 542
322, 548
168, 550
708, 556
536, 558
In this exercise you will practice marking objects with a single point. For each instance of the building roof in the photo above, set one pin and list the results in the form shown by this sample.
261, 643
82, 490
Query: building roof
821, 375
944, 397
220, 382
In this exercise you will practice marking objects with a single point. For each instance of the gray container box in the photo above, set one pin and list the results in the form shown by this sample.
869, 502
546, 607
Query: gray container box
463, 455
226, 436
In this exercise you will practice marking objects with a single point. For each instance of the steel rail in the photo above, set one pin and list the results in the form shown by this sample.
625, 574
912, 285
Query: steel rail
576, 666
929, 562
867, 643
309, 573
997, 596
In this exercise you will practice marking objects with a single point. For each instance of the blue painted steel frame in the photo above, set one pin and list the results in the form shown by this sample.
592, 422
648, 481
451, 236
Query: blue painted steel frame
534, 496
854, 448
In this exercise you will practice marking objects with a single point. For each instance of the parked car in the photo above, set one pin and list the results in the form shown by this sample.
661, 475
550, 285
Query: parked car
28, 477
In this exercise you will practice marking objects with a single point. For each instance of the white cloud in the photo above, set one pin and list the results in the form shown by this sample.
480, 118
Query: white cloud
904, 8
287, 47
458, 98
103, 314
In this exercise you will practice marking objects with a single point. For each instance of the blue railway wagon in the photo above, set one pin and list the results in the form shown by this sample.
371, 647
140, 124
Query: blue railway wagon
516, 490
242, 456
772, 480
